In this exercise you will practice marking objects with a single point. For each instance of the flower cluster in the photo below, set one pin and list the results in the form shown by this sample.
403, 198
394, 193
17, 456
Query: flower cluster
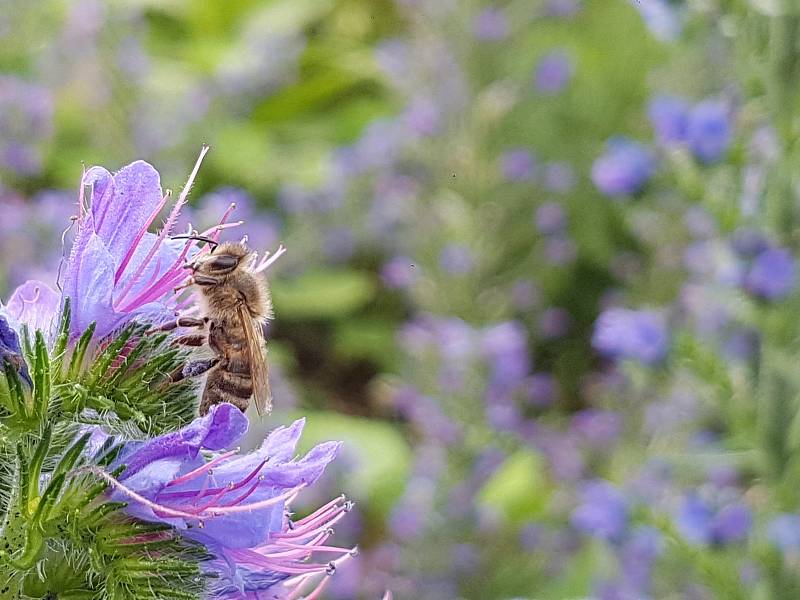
191, 483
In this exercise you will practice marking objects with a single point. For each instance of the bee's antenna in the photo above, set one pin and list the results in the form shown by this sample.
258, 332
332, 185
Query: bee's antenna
199, 238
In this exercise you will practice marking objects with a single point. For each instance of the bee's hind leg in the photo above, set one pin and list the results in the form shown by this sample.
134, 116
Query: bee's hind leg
192, 369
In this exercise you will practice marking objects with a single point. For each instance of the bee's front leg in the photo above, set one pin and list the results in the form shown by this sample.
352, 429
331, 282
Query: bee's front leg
181, 322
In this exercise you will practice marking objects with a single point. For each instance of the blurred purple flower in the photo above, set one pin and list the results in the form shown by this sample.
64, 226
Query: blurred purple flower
456, 259
525, 294
669, 117
603, 511
699, 222
631, 334
560, 250
742, 344
26, 114
339, 244
660, 17
637, 556
399, 272
235, 505
551, 218
709, 130
748, 243
491, 25
518, 165
553, 72
784, 532
555, 322
542, 389
624, 168
559, 177
563, 8
598, 428
700, 523
773, 274
505, 347
423, 117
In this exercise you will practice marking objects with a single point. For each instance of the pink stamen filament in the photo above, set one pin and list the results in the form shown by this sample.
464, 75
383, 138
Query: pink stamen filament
287, 496
268, 260
306, 533
333, 503
131, 251
215, 491
300, 531
204, 469
165, 231
173, 276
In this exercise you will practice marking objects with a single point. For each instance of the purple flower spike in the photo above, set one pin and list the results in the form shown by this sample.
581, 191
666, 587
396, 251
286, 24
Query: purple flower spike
630, 334
554, 72
624, 169
702, 523
491, 25
709, 130
773, 274
518, 165
603, 511
235, 505
669, 116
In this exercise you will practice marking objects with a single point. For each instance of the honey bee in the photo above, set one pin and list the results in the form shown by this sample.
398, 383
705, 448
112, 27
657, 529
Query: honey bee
237, 304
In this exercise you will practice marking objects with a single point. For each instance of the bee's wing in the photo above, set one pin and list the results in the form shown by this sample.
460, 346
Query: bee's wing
259, 372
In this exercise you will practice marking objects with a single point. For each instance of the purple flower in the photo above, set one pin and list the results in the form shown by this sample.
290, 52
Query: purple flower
555, 322
518, 165
542, 389
117, 270
551, 218
560, 250
10, 351
784, 532
631, 334
399, 272
598, 428
661, 18
235, 505
456, 259
624, 168
669, 116
26, 114
505, 347
772, 275
423, 117
701, 523
603, 512
491, 25
553, 72
563, 8
709, 130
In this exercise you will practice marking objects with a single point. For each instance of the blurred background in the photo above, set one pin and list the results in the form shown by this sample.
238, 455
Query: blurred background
541, 269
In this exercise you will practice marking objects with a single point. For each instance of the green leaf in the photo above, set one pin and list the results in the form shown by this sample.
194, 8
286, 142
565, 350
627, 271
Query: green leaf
333, 293
519, 488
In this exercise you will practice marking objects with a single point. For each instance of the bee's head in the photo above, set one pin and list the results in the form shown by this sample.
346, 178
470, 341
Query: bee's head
223, 260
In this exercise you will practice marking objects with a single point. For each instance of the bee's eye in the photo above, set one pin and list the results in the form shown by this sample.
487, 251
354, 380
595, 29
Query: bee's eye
222, 263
